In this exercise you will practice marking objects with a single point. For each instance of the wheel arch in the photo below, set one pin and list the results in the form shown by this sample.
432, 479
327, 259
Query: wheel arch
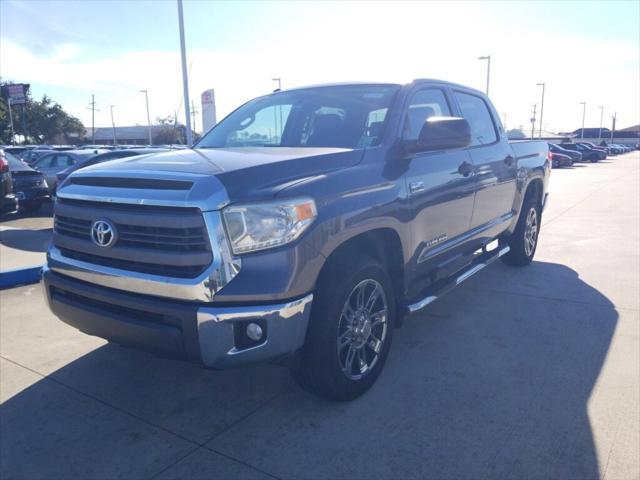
383, 244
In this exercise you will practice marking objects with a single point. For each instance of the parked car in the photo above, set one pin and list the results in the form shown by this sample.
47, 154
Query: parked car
8, 201
573, 154
29, 185
105, 157
594, 147
559, 160
53, 162
30, 156
372, 202
587, 153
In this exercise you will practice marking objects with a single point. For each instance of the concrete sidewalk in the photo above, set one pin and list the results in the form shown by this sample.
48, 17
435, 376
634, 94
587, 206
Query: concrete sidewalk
519, 373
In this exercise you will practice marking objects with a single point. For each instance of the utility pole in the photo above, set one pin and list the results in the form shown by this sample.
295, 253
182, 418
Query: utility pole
278, 130
193, 113
92, 107
613, 126
488, 59
146, 96
584, 111
541, 106
113, 125
185, 79
533, 121
601, 107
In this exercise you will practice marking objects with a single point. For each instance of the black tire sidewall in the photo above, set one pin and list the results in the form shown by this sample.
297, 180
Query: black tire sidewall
320, 354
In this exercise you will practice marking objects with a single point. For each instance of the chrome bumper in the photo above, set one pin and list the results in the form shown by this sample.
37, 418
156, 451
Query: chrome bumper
188, 331
286, 327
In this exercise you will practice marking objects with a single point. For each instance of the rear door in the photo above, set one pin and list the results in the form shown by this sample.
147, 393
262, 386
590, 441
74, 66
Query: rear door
495, 165
440, 184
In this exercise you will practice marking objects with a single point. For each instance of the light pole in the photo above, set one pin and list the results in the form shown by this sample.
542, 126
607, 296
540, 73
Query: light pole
113, 124
584, 111
146, 96
488, 59
185, 80
541, 106
601, 107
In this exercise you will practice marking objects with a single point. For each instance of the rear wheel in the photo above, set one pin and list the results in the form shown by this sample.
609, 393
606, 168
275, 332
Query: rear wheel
350, 331
524, 240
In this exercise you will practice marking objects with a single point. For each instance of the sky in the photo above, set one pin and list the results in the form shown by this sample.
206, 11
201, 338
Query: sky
583, 51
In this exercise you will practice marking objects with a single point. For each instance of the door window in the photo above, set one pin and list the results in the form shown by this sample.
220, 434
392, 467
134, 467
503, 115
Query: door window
426, 103
45, 162
475, 111
64, 161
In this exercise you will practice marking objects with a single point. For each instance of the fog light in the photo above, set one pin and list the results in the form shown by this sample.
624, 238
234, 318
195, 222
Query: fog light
254, 331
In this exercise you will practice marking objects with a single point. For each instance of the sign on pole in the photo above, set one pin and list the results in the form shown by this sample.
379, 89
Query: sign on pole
15, 93
208, 101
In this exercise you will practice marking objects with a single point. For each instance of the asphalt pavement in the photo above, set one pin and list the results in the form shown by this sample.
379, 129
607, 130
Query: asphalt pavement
518, 373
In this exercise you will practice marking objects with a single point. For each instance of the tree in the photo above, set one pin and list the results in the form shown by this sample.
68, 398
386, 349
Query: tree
43, 121
168, 131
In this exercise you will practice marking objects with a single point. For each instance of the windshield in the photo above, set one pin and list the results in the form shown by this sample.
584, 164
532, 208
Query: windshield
340, 116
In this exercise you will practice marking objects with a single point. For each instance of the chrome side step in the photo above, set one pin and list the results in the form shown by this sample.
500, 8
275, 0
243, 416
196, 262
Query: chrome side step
484, 261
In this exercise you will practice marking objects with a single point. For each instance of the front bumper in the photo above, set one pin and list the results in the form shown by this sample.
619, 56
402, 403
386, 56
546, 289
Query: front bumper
200, 332
8, 204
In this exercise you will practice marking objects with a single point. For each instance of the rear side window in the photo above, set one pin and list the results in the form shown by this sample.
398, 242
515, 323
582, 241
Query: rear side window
426, 103
475, 111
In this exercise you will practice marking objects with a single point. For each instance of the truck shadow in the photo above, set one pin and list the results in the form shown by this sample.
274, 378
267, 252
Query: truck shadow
26, 239
491, 382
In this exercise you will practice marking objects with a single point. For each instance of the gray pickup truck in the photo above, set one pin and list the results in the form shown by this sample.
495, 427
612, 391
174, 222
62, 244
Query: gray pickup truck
303, 228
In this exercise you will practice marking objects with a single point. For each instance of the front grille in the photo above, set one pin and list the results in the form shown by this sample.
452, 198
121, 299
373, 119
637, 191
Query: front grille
170, 242
93, 304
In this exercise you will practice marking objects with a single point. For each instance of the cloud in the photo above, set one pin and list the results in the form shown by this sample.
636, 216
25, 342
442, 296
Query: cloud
337, 48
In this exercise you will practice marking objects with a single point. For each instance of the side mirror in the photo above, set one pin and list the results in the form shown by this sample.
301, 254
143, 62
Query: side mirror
440, 133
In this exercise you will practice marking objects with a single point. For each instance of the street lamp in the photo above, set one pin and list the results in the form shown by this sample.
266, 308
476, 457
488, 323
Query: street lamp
584, 111
601, 107
113, 125
541, 105
185, 79
488, 59
146, 96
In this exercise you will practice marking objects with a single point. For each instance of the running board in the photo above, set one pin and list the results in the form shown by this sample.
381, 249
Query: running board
483, 261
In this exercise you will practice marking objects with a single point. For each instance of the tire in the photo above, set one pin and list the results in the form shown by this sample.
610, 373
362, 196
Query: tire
330, 363
522, 245
32, 207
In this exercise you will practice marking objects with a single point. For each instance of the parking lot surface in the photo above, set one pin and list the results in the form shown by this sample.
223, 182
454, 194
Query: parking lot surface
24, 238
519, 373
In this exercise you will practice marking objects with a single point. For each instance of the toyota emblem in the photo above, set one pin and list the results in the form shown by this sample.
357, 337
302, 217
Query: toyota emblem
103, 233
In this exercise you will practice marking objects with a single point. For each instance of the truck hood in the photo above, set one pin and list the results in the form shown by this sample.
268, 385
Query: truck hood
244, 173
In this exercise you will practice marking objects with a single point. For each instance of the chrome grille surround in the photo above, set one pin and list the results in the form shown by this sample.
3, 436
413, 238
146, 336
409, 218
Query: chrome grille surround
207, 196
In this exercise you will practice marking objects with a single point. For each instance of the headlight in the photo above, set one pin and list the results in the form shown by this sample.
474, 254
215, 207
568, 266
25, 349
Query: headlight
259, 226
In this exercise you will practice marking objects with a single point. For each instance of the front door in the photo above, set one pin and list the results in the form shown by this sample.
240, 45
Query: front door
440, 184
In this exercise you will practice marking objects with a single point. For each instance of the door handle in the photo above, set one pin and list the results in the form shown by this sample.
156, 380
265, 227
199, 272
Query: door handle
465, 169
509, 160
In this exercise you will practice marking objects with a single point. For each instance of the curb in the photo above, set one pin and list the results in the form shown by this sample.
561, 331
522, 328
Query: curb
20, 276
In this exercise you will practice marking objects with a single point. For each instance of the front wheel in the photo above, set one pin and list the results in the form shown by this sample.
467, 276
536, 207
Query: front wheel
524, 240
350, 331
